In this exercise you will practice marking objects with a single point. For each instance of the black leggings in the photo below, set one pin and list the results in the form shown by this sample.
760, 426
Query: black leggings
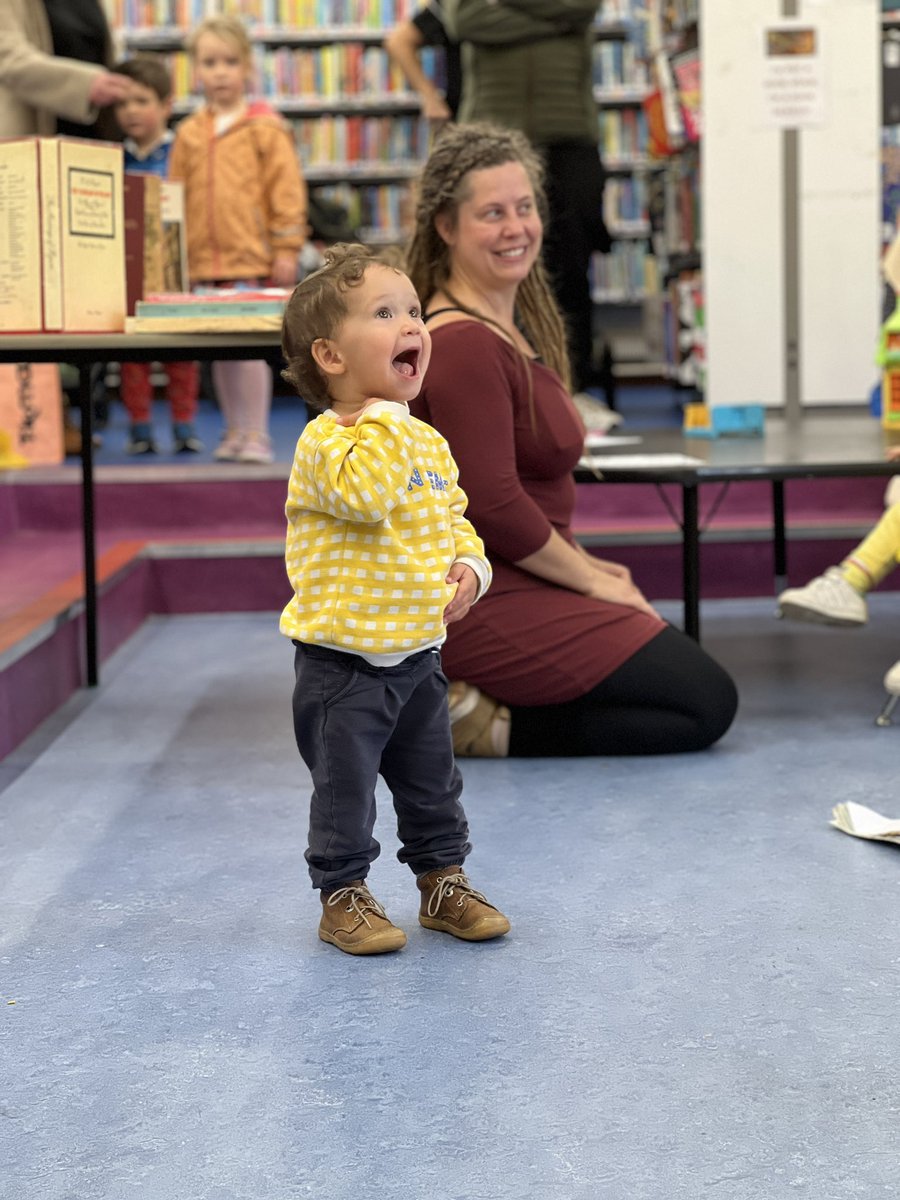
668, 698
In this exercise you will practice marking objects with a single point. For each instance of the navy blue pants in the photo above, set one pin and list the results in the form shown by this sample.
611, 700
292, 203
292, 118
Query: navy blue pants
354, 721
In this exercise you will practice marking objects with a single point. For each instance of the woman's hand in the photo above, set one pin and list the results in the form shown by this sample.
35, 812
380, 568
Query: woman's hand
610, 568
569, 565
619, 589
466, 590
893, 452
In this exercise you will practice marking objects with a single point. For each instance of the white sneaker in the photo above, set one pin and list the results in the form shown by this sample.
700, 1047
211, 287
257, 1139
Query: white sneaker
229, 448
597, 416
828, 600
257, 448
892, 680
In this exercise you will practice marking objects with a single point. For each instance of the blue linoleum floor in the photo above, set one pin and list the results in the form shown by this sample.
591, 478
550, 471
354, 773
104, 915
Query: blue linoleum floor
698, 997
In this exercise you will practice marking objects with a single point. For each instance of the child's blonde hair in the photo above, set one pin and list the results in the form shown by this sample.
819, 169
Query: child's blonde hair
317, 309
226, 27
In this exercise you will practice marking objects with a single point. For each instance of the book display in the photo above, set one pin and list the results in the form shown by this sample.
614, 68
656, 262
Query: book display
62, 237
143, 237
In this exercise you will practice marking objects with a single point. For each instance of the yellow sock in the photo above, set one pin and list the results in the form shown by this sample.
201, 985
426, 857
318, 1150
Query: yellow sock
876, 555
858, 579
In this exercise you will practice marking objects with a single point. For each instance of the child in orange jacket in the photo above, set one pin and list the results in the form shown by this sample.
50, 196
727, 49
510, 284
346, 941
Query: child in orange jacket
245, 203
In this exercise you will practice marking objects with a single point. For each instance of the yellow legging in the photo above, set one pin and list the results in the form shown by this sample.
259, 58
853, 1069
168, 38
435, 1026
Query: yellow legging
877, 555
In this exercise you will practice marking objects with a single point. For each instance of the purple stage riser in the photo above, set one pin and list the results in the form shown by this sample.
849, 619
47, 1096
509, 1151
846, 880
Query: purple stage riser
256, 507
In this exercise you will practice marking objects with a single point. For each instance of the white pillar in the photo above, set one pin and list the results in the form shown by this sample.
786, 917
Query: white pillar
743, 205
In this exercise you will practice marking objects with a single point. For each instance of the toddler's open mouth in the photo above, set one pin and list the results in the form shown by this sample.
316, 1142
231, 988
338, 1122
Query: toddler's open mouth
407, 363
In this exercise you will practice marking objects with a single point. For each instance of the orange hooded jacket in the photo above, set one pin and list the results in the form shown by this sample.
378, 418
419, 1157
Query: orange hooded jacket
245, 198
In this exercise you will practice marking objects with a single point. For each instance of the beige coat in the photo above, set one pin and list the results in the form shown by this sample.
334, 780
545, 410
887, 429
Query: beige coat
35, 86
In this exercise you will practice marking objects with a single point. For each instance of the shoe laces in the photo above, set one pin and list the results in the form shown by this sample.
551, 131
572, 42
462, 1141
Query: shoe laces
446, 886
359, 900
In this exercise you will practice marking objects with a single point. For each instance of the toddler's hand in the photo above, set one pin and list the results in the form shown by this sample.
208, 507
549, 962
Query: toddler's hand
893, 452
284, 269
466, 590
348, 419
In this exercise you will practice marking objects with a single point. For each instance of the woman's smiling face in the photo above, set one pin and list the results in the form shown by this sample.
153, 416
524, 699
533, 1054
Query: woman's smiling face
496, 237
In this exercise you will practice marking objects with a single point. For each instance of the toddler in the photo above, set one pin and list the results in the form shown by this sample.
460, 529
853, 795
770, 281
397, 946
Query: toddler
143, 116
381, 558
245, 205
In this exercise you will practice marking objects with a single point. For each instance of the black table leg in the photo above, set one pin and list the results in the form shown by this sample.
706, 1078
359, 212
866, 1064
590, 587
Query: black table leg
87, 522
690, 561
779, 538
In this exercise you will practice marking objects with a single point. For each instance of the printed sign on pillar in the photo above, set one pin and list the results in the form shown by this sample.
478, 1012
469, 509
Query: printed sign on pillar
793, 75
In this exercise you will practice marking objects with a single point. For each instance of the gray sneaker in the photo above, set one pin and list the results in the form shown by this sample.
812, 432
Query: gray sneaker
826, 600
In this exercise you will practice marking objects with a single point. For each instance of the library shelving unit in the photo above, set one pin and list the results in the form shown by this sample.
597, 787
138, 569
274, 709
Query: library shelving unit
674, 312
358, 127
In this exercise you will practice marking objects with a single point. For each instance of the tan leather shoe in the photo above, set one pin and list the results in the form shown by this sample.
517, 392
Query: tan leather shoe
354, 921
451, 905
479, 724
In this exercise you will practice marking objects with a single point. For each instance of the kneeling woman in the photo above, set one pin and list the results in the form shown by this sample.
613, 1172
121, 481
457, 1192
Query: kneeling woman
564, 655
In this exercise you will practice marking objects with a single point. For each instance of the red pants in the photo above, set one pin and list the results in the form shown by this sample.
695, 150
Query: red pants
137, 393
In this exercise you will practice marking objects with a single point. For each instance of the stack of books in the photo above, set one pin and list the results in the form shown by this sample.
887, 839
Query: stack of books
226, 311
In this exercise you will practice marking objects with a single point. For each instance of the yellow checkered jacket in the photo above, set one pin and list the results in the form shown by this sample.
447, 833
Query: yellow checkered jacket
375, 520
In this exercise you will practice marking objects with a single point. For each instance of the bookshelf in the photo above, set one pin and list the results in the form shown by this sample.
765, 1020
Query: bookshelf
358, 128
320, 63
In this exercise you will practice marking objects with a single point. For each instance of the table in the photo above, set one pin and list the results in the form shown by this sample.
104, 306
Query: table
84, 350
821, 444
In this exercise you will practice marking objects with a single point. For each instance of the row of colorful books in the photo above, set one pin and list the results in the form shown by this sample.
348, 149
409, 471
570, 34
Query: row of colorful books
625, 200
618, 66
629, 271
623, 133
297, 14
341, 70
306, 14
357, 139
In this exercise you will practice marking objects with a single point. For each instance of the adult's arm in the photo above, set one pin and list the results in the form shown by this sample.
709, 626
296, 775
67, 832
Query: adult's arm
485, 23
43, 81
403, 44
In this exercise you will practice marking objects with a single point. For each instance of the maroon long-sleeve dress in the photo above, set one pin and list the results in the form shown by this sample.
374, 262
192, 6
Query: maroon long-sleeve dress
527, 641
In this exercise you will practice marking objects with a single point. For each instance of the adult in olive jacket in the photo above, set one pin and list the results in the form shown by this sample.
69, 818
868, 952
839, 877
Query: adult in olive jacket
40, 82
527, 64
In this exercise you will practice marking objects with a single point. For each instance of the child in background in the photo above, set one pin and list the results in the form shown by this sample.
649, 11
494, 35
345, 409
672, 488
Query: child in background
143, 116
381, 558
838, 596
245, 205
